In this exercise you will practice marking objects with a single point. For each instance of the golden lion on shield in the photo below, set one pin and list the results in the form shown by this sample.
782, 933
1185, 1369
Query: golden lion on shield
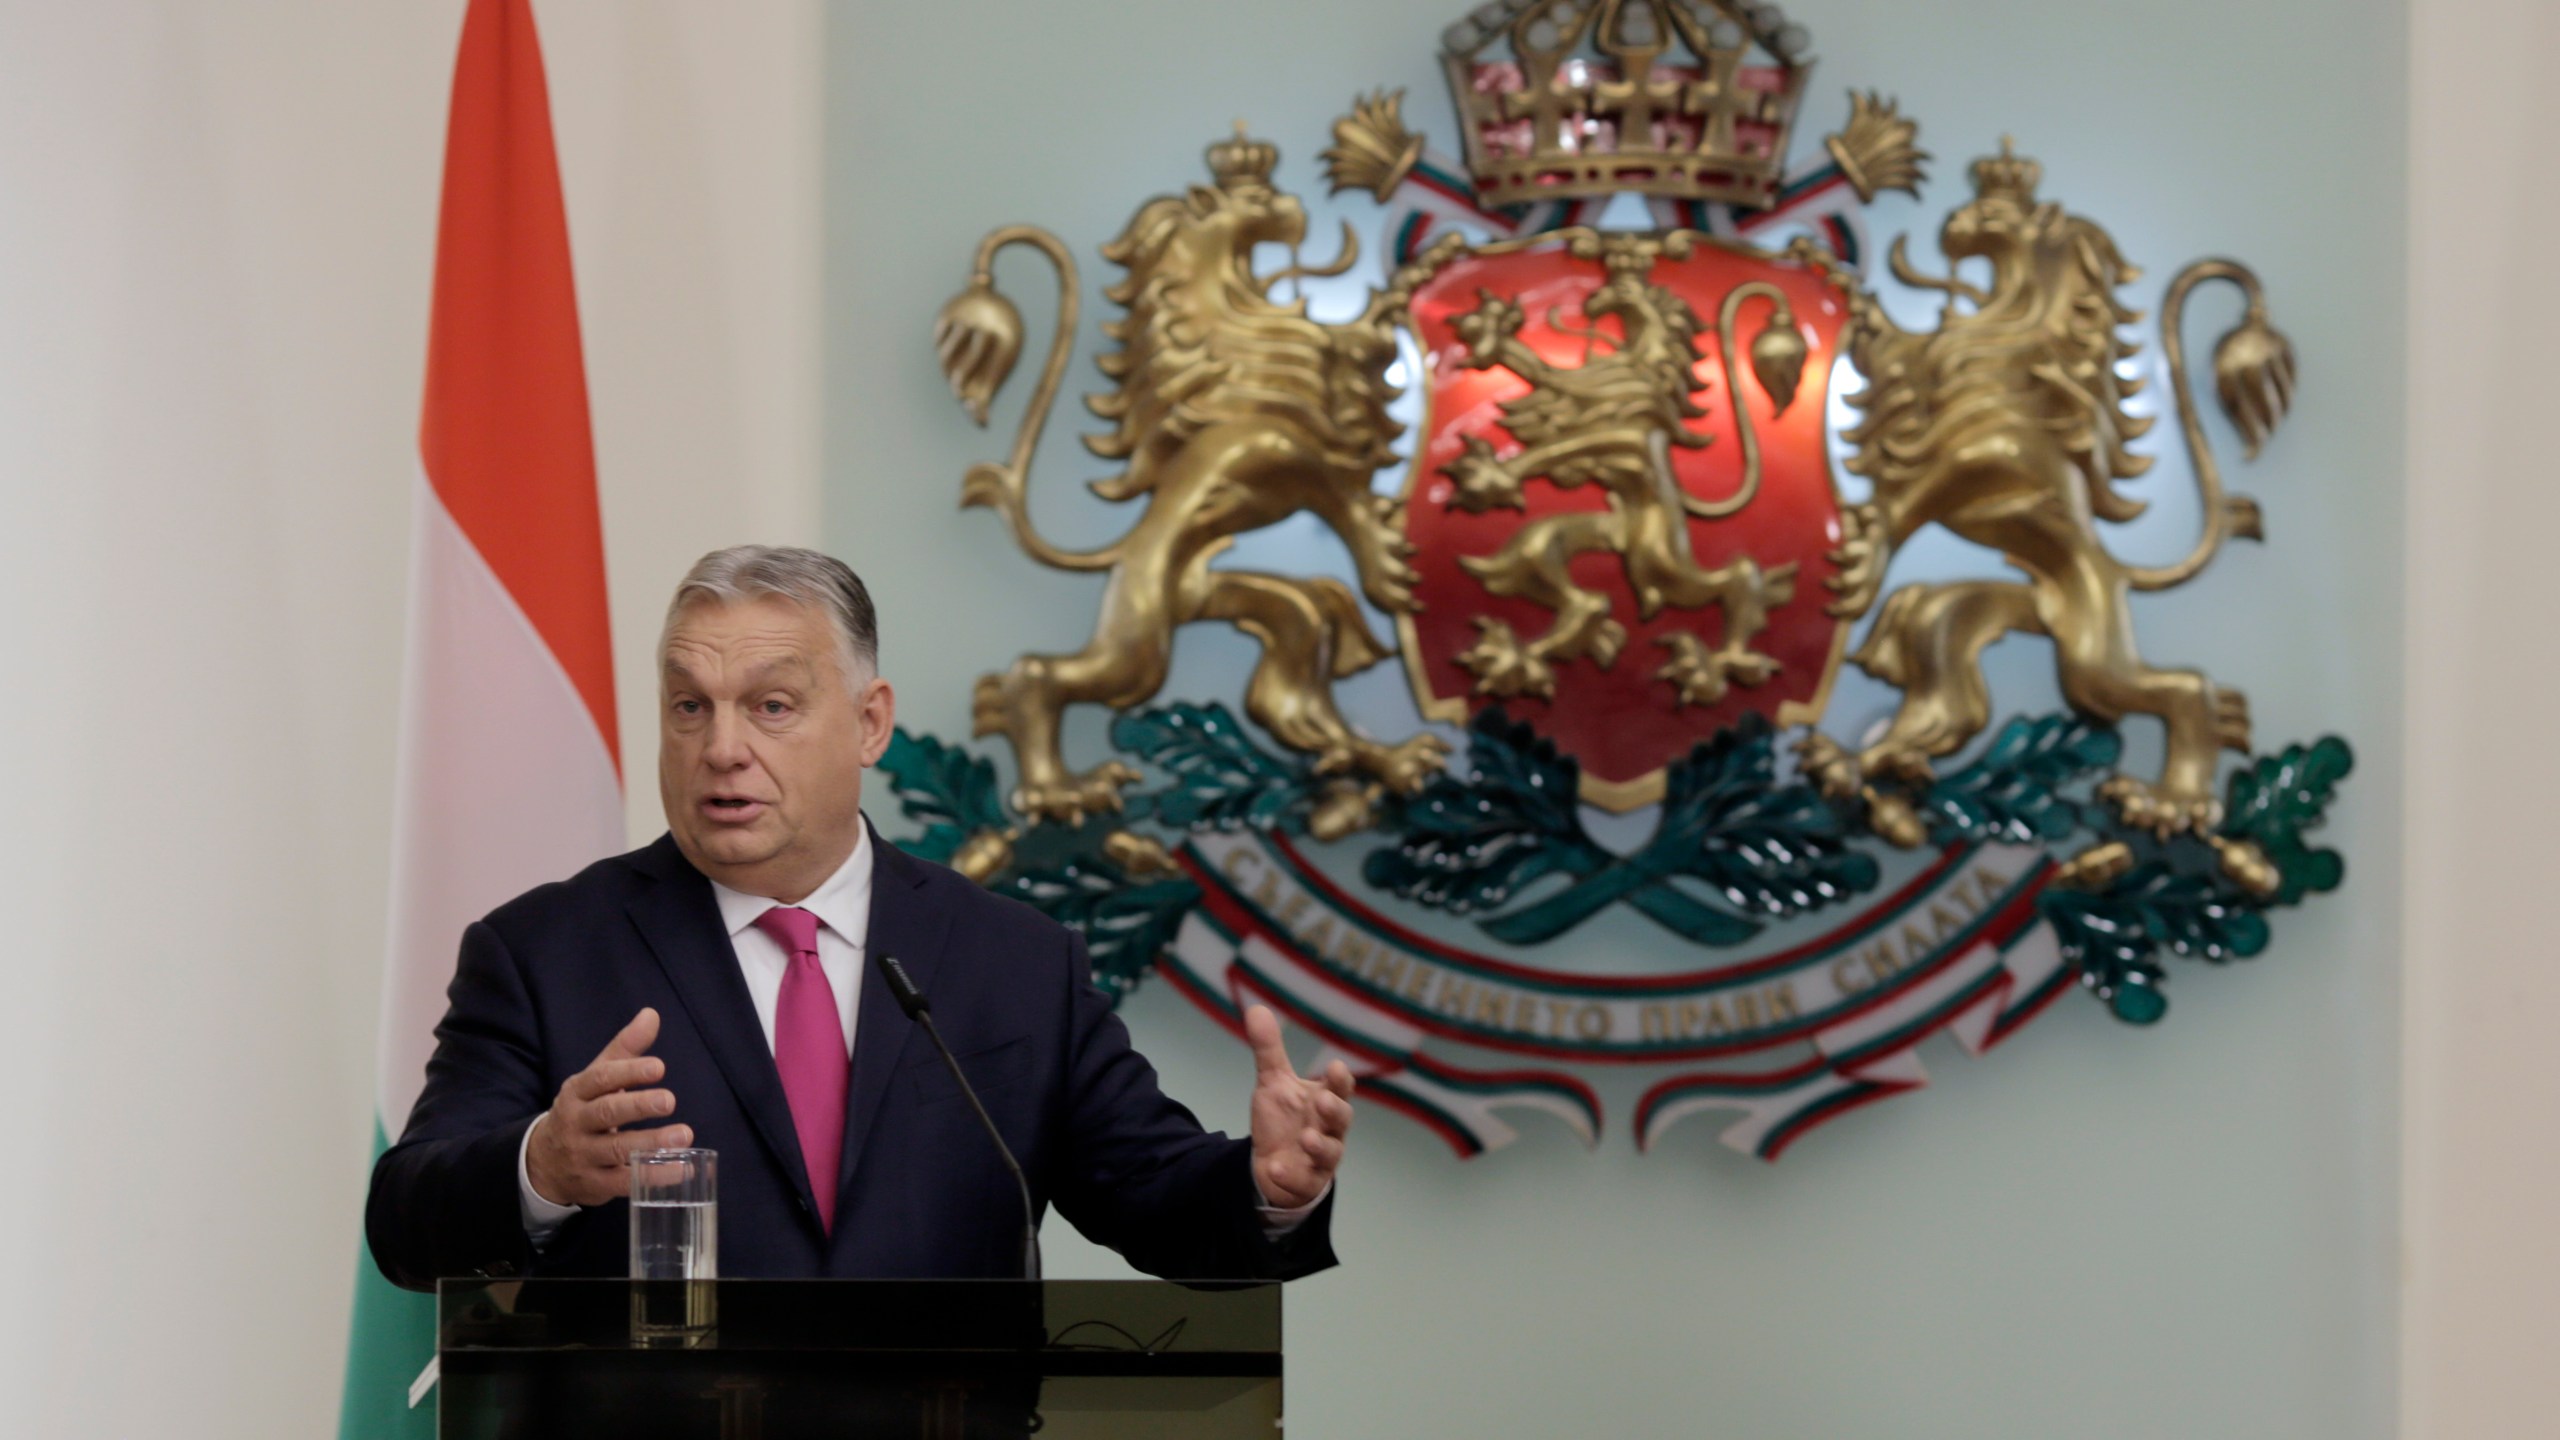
2007, 425
1233, 413
1612, 422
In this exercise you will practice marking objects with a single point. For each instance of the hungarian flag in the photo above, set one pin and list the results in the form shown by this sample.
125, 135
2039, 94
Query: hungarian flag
509, 770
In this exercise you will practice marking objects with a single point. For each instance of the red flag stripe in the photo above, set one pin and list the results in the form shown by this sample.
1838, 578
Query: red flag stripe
505, 435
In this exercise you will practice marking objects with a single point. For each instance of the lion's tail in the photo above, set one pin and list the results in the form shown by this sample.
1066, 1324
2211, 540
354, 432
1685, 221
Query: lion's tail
979, 336
1777, 361
2253, 371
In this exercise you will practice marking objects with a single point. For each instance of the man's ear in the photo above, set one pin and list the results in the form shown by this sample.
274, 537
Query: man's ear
879, 705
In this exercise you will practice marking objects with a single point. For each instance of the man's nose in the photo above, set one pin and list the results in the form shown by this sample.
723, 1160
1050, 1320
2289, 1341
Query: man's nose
726, 746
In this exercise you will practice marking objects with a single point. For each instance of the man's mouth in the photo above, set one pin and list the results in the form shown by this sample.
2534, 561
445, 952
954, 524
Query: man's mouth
732, 809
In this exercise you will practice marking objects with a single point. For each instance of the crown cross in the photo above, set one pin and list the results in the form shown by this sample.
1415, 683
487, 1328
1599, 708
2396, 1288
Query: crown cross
1635, 99
1638, 41
1545, 105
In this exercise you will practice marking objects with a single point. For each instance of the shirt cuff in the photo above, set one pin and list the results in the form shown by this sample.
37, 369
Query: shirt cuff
1276, 1220
542, 1219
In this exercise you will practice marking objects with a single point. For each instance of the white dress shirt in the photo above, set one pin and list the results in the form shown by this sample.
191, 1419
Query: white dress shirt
843, 908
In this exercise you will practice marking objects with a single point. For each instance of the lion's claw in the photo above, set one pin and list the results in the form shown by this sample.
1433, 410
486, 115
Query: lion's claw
1069, 801
1700, 676
1503, 666
2142, 805
1408, 765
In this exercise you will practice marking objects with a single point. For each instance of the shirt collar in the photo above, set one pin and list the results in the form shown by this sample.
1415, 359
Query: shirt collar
842, 904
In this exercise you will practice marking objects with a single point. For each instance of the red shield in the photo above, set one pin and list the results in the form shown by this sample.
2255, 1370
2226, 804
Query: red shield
1622, 720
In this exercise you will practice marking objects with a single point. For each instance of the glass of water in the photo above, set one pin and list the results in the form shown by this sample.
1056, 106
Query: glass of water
675, 1242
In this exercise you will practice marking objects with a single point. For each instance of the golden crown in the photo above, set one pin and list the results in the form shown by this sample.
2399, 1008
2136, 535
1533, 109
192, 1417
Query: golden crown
1242, 160
1688, 99
2008, 173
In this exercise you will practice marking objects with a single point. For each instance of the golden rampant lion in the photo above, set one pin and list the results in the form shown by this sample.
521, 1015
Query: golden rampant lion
1612, 422
2007, 425
1232, 413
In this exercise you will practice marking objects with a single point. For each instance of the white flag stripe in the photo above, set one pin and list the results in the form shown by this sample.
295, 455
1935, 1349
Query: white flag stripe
504, 782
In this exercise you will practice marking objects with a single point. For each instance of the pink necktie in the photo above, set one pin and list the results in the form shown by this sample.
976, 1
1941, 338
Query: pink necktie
809, 1050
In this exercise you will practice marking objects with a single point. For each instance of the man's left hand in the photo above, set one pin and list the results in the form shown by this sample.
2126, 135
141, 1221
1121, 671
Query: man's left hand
1299, 1124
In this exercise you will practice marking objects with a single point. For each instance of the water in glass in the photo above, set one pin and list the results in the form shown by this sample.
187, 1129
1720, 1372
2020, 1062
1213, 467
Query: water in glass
675, 1240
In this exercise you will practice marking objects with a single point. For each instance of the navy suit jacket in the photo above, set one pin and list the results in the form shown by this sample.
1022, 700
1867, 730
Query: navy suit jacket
548, 978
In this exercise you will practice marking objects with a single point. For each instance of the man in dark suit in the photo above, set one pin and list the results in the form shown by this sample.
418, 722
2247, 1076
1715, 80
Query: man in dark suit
721, 988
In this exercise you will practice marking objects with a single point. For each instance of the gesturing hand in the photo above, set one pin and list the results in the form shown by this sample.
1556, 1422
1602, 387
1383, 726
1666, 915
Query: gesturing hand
578, 1149
1298, 1124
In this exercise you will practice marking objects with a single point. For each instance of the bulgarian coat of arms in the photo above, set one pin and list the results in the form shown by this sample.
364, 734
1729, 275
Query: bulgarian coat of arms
1615, 564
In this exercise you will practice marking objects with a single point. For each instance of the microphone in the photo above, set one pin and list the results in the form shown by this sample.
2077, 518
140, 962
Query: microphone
902, 988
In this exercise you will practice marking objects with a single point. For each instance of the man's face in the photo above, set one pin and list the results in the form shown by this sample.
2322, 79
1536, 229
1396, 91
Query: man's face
762, 743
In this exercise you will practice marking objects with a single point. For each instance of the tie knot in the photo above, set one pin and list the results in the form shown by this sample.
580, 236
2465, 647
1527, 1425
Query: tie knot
796, 929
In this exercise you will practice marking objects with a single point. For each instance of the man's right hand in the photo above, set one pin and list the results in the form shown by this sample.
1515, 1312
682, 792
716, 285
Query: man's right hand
578, 1148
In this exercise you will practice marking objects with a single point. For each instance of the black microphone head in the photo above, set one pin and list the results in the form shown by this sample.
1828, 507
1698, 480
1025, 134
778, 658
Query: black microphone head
902, 987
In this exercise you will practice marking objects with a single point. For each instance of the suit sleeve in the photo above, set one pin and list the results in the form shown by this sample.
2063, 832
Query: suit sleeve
444, 1199
1140, 1174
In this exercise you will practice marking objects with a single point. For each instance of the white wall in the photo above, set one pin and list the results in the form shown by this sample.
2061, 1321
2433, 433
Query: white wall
2482, 1179
2096, 1232
689, 148
216, 230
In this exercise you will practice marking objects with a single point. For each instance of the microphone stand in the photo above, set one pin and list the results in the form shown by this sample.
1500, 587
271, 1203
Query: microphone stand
902, 988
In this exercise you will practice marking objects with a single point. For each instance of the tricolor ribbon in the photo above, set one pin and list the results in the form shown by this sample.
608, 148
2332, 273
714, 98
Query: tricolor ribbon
1788, 1038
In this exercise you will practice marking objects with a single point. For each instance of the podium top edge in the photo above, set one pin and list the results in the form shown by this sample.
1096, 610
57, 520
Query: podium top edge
1149, 1318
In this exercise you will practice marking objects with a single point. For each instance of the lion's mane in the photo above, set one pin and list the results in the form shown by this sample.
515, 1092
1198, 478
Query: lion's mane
2041, 350
1200, 344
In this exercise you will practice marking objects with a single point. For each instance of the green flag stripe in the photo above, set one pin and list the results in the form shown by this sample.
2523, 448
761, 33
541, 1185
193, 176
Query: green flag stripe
388, 1343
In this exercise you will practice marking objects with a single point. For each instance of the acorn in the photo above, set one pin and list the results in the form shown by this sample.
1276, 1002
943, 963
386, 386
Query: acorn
2096, 867
1140, 857
984, 855
1344, 810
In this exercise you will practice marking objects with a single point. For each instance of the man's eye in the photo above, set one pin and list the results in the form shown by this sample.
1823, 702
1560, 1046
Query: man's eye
688, 707
775, 707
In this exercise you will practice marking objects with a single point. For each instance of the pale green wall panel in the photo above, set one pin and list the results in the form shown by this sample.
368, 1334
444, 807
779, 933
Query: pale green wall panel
2094, 1232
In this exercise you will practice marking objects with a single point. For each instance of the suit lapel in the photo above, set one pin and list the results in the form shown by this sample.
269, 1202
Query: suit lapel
681, 923
906, 928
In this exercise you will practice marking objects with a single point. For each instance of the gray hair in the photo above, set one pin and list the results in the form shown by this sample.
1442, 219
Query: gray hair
756, 572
